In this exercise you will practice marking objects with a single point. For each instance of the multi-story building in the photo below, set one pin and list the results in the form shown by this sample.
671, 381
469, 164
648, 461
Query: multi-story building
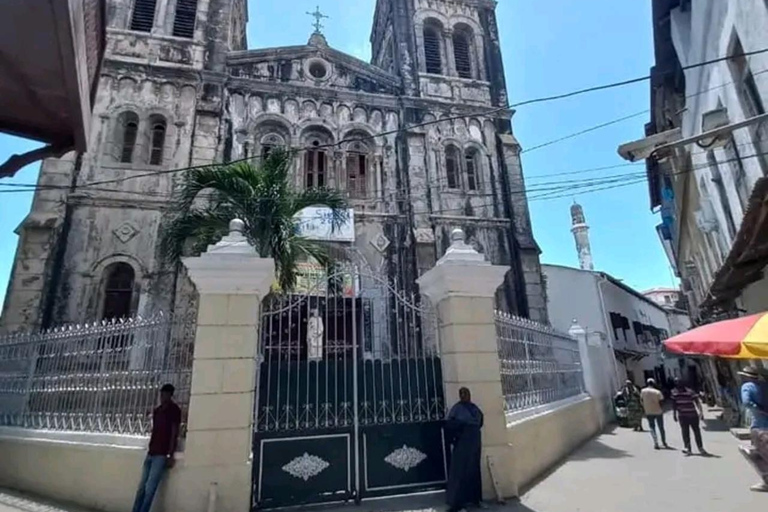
711, 192
179, 87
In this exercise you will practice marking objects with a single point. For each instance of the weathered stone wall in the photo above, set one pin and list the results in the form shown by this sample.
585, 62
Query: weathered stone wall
222, 105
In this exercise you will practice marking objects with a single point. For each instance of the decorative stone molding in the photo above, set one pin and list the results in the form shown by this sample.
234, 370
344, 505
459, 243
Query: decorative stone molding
232, 266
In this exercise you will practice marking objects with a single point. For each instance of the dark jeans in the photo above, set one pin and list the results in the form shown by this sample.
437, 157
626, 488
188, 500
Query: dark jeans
688, 423
154, 469
657, 421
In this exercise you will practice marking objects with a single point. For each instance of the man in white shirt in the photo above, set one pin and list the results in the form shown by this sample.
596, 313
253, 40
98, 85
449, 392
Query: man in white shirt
652, 399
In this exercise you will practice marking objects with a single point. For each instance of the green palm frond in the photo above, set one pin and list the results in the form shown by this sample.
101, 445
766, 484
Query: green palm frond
264, 199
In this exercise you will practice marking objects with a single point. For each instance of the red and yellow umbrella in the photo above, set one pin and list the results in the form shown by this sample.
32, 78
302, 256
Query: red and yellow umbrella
740, 338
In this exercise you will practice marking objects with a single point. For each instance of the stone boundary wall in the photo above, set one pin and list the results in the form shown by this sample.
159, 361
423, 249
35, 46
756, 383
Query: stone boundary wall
541, 441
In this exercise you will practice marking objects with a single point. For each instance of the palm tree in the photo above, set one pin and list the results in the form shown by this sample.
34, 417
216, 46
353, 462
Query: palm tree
264, 198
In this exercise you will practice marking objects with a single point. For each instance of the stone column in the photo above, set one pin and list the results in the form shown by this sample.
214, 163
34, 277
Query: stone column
231, 279
449, 65
462, 287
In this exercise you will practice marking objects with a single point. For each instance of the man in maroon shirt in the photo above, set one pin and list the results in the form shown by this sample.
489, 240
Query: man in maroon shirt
166, 420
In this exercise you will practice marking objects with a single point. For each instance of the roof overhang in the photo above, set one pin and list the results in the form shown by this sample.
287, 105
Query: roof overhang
50, 54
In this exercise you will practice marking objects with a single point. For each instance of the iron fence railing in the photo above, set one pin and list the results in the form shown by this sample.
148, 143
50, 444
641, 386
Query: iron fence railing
538, 364
101, 377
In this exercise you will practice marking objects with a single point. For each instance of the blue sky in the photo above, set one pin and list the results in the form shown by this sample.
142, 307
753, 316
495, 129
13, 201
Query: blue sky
548, 50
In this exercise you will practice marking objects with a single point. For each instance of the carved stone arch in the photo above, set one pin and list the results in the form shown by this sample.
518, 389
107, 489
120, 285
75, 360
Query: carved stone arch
361, 130
318, 165
125, 83
100, 275
376, 120
344, 114
273, 105
123, 138
475, 166
97, 268
309, 109
360, 114
326, 110
169, 93
307, 125
291, 110
460, 128
357, 173
422, 16
267, 131
476, 130
459, 20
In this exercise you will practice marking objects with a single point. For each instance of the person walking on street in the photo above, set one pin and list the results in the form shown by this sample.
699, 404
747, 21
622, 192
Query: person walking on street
688, 411
654, 413
754, 396
634, 406
166, 420
463, 426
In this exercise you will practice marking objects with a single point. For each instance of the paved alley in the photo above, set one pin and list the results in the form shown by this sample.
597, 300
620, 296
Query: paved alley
617, 472
620, 471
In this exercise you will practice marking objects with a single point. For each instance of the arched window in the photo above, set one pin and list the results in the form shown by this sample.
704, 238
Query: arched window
357, 170
432, 56
462, 53
118, 291
143, 15
269, 142
315, 166
157, 140
129, 130
186, 15
452, 167
472, 164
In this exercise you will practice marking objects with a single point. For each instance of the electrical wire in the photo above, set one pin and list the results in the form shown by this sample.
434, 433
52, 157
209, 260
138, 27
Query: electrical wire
485, 112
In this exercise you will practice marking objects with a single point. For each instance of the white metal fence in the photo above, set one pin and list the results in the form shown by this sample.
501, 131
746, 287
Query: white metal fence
538, 364
102, 377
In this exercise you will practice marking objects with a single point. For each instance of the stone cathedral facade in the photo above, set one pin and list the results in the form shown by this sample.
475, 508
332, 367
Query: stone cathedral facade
180, 88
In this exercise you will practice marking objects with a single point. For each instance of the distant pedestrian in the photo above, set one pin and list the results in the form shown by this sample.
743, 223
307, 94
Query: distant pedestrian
754, 396
688, 411
634, 406
166, 420
464, 424
652, 399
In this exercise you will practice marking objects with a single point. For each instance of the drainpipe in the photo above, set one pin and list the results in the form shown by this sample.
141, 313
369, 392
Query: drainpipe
608, 329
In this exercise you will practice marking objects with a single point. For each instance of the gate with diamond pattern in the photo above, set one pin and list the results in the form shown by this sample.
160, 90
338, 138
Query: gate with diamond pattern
349, 398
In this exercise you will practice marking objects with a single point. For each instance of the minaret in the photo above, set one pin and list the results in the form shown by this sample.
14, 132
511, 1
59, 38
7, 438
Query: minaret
580, 232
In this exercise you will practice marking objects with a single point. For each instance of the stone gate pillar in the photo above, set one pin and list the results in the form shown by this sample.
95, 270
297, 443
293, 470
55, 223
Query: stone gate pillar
231, 279
462, 287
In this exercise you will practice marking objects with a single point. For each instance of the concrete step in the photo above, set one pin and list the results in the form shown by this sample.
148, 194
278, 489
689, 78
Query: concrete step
742, 434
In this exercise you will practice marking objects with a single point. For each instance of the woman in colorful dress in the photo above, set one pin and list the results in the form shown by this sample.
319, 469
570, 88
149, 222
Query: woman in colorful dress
634, 406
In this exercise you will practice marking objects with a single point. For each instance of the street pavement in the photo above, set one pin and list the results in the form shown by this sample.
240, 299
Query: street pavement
617, 472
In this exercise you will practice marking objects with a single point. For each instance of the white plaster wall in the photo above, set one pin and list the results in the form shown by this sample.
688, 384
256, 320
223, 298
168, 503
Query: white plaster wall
572, 295
540, 442
576, 294
705, 33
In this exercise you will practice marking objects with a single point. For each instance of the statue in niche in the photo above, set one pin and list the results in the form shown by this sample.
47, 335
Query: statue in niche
315, 332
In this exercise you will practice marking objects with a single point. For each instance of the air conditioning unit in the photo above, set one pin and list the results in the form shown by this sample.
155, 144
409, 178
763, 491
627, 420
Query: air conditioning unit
712, 120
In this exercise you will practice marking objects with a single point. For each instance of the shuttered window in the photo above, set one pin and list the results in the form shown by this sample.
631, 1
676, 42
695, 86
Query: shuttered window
434, 62
130, 130
157, 141
315, 162
452, 166
472, 161
143, 15
357, 164
461, 53
186, 14
118, 291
